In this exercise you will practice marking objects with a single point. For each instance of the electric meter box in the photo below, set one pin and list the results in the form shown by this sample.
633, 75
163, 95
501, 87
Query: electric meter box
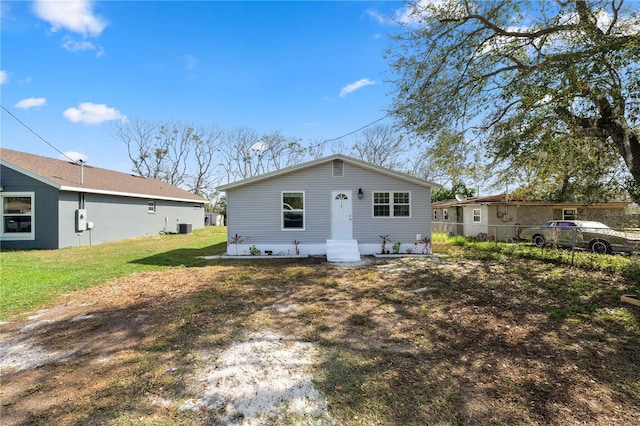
81, 220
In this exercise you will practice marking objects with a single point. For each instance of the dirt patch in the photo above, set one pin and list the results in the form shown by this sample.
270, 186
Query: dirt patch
402, 341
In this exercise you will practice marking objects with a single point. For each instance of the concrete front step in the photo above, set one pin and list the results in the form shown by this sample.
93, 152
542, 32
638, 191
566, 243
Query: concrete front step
343, 251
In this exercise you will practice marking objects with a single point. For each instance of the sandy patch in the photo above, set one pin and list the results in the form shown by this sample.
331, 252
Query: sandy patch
260, 380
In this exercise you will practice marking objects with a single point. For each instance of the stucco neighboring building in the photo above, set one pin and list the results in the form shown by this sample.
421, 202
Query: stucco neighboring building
49, 203
501, 217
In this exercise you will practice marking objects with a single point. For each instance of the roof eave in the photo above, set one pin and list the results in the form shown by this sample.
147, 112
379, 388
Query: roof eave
30, 174
132, 194
346, 159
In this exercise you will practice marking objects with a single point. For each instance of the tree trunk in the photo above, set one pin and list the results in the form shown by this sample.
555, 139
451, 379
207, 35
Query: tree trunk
627, 141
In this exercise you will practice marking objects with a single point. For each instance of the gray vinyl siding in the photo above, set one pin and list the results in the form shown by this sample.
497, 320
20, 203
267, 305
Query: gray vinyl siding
254, 210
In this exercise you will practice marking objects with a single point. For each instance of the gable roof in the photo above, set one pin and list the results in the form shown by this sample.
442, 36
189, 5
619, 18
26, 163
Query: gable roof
68, 176
503, 199
348, 160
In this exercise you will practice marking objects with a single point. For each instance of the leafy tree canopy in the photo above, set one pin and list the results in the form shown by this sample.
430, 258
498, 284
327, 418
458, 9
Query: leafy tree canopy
525, 77
458, 188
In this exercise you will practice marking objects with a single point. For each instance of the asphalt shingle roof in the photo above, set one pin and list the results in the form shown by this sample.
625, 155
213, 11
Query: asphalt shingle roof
68, 176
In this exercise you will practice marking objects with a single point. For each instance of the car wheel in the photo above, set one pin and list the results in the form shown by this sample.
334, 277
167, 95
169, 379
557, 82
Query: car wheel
599, 246
538, 240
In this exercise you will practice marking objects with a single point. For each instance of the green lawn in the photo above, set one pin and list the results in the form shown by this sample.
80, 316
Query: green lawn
31, 278
485, 333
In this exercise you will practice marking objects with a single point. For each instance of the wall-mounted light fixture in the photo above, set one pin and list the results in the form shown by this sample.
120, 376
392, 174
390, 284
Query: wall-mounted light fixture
360, 194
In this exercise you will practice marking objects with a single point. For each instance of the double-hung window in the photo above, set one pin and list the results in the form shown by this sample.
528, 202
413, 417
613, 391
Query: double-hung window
18, 219
391, 204
476, 216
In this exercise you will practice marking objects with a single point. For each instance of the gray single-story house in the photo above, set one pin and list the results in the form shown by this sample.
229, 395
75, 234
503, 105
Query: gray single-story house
502, 217
51, 204
337, 205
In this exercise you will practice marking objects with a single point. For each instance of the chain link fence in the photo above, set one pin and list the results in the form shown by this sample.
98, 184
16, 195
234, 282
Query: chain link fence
565, 234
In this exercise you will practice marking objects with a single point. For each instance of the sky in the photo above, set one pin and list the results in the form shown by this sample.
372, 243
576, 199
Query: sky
70, 69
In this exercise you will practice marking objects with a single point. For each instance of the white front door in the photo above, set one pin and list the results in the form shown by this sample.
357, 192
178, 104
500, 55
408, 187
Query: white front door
341, 220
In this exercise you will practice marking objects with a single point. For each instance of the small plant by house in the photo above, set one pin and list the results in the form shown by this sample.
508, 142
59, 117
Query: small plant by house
255, 251
385, 240
427, 245
235, 240
396, 247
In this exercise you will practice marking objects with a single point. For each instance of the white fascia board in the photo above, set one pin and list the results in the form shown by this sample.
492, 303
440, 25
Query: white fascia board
346, 159
130, 194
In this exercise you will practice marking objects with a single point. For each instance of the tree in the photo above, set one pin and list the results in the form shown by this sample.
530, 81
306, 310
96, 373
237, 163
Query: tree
555, 173
180, 154
246, 153
157, 150
520, 74
380, 145
458, 188
449, 157
139, 136
281, 151
206, 143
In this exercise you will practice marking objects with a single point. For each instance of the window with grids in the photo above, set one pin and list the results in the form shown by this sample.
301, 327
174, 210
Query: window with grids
18, 216
476, 216
391, 204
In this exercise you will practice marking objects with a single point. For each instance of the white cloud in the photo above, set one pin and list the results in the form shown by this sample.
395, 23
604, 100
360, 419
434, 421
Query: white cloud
191, 62
191, 65
31, 103
75, 156
74, 15
90, 113
77, 46
4, 77
377, 16
258, 147
350, 88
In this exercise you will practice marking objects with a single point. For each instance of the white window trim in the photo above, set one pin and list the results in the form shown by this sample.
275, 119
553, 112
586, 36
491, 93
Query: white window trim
445, 215
304, 210
574, 215
473, 215
149, 205
391, 204
20, 236
435, 214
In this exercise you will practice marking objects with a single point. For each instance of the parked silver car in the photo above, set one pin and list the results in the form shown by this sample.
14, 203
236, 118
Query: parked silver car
589, 235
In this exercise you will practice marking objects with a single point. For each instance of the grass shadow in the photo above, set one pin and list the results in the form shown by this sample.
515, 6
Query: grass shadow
187, 257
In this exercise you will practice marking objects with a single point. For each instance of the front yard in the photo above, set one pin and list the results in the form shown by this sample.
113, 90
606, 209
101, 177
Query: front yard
473, 337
